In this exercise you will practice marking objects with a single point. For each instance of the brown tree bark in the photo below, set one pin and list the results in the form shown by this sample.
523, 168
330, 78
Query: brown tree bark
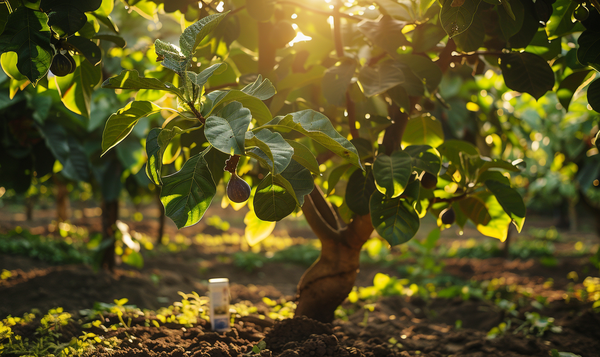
326, 284
62, 200
110, 215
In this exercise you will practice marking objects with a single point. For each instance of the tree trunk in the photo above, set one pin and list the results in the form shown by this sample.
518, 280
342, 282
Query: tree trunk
110, 215
62, 200
29, 203
326, 284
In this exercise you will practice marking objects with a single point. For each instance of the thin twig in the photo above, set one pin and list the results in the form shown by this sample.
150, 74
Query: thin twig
196, 112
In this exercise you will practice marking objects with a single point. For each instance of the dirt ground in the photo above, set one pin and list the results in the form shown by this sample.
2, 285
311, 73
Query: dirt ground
396, 326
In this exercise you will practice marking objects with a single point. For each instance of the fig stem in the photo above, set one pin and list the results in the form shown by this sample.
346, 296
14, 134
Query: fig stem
231, 164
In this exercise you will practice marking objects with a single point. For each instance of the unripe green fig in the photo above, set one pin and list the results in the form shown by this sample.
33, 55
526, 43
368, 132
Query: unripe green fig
238, 190
448, 216
428, 181
62, 64
581, 13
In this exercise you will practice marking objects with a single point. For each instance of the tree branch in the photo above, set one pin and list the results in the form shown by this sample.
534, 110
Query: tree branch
320, 216
337, 30
392, 138
196, 112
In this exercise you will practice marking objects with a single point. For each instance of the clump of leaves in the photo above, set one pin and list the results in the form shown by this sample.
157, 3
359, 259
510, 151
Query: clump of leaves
55, 251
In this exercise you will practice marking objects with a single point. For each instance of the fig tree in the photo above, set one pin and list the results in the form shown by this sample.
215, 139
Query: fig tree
428, 181
238, 190
448, 216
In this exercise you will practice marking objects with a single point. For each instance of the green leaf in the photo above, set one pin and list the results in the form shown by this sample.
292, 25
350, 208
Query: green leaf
378, 79
395, 219
317, 127
299, 80
304, 156
422, 66
588, 53
226, 131
510, 25
3, 17
87, 48
187, 194
156, 143
560, 22
593, 95
336, 174
300, 179
278, 152
530, 26
130, 79
66, 20
27, 33
475, 209
261, 89
540, 46
256, 229
67, 151
425, 158
272, 202
359, 189
193, 35
426, 36
8, 60
170, 56
488, 163
400, 11
472, 38
423, 130
498, 225
457, 19
135, 259
200, 79
392, 173
526, 72
336, 81
77, 97
451, 149
510, 200
120, 124
117, 40
568, 87
259, 110
385, 33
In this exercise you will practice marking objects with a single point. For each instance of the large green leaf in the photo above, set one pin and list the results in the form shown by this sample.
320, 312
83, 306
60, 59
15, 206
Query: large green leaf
588, 53
87, 48
278, 153
130, 79
226, 131
200, 79
3, 17
395, 219
497, 227
259, 110
378, 79
82, 5
526, 72
510, 200
568, 87
317, 127
67, 151
336, 81
187, 194
426, 36
472, 38
66, 20
27, 33
457, 19
336, 174
422, 66
593, 95
193, 35
510, 25
425, 158
385, 33
305, 157
423, 130
120, 124
474, 208
261, 89
77, 97
398, 10
359, 189
156, 143
560, 22
272, 202
256, 229
392, 173
300, 179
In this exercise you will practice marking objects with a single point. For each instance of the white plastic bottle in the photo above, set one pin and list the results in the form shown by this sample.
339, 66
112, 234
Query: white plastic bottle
218, 292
